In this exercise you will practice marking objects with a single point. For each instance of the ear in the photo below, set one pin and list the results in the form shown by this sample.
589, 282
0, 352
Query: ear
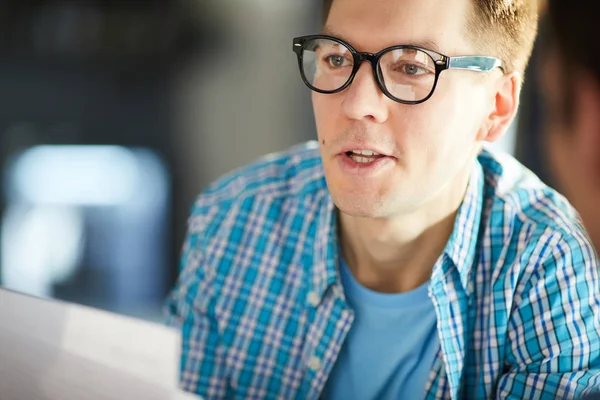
505, 104
586, 122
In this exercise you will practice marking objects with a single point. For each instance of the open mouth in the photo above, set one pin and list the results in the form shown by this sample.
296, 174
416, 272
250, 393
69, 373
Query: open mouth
364, 156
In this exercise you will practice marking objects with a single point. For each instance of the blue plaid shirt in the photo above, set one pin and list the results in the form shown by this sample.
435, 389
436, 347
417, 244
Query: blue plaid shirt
263, 315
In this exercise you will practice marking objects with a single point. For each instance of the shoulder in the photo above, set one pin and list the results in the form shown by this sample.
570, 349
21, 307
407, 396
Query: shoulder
277, 189
253, 228
290, 172
248, 223
535, 223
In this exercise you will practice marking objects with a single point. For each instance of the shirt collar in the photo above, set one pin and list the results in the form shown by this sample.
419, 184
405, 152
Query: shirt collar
325, 272
461, 248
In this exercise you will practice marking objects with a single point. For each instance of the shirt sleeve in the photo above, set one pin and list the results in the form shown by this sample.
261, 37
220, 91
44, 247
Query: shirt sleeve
190, 307
553, 346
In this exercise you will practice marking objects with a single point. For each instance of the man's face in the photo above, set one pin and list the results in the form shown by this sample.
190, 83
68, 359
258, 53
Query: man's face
430, 147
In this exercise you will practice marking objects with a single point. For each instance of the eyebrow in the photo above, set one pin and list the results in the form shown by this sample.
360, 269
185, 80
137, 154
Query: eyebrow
426, 43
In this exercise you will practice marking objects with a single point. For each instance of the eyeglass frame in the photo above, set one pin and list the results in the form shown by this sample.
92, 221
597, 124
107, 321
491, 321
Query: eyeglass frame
441, 61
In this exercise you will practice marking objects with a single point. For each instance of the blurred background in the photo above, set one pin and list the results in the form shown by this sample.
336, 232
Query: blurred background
115, 114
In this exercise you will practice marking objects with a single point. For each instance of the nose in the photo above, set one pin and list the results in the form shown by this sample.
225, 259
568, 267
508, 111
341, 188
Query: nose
363, 99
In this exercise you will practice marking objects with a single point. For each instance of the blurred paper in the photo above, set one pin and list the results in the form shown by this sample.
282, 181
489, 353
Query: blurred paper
53, 350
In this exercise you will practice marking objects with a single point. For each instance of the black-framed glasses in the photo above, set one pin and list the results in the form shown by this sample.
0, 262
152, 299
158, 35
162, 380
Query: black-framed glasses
406, 74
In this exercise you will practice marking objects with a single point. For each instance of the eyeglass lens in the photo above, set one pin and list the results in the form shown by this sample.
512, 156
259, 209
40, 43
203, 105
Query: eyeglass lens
407, 74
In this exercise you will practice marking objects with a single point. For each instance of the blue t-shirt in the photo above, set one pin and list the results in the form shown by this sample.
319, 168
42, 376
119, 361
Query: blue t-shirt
391, 347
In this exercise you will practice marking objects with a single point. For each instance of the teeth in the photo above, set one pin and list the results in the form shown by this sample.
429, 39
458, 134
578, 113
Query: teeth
365, 152
360, 159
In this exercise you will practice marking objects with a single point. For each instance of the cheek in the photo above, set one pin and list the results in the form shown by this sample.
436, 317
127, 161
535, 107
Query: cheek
458, 108
446, 124
424, 126
325, 111
447, 130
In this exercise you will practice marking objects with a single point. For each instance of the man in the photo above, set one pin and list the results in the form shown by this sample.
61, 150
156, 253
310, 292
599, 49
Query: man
572, 90
395, 258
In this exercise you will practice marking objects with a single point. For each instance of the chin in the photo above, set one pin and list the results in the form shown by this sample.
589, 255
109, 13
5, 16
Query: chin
360, 207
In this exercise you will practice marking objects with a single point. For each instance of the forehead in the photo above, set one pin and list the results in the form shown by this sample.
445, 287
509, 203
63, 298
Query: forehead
375, 24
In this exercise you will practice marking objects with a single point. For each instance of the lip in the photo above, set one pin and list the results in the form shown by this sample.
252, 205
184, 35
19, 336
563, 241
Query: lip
351, 167
349, 148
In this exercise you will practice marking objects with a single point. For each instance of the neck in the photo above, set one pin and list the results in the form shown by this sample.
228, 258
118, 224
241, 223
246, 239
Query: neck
398, 254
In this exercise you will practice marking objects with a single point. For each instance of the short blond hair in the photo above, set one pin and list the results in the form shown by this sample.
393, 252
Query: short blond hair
505, 29
502, 28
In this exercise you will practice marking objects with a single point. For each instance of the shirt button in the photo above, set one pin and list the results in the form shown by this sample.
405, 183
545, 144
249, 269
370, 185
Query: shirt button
314, 363
313, 299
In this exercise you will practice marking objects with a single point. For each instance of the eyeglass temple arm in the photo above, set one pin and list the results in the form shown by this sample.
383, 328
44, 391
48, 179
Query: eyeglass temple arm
474, 63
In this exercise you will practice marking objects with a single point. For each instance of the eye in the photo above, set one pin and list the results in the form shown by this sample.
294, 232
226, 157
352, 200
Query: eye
413, 69
336, 60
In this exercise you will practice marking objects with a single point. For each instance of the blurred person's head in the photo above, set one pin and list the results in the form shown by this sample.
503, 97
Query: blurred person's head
432, 145
571, 81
